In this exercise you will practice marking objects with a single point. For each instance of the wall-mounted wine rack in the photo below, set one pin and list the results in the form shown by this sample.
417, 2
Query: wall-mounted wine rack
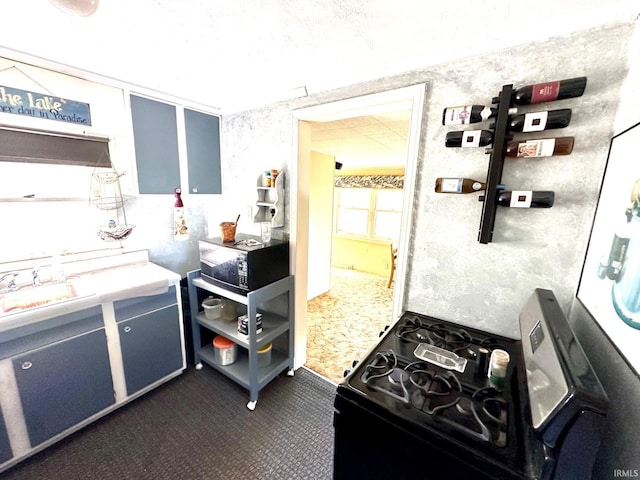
496, 162
507, 120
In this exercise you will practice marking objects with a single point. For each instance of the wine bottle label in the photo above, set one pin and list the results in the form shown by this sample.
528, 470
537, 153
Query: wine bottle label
457, 115
535, 121
521, 199
451, 185
471, 138
545, 92
537, 148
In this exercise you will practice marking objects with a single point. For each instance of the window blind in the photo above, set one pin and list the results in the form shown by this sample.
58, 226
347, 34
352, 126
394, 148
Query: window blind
35, 146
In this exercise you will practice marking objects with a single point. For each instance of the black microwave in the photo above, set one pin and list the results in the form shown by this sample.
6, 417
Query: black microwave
240, 266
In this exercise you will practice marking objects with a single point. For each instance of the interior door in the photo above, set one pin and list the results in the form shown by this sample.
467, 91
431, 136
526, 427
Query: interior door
320, 224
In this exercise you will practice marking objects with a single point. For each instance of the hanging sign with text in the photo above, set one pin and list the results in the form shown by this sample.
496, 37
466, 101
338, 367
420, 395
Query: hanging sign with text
40, 105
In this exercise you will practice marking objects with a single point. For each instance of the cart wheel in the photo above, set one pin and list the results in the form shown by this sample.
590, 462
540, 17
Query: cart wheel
252, 405
290, 372
199, 366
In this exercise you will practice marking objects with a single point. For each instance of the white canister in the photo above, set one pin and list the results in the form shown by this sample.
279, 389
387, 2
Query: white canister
225, 351
498, 367
211, 308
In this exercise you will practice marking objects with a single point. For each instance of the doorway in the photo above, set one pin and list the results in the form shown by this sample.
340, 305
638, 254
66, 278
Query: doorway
355, 209
411, 98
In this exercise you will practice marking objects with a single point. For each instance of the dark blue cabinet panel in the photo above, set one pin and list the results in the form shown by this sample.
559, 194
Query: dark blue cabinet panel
203, 151
5, 447
136, 306
151, 347
156, 145
63, 384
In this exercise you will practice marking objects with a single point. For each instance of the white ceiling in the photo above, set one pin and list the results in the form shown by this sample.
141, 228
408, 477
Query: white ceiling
235, 55
369, 141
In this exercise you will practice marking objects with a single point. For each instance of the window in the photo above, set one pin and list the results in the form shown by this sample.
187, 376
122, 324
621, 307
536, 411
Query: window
368, 212
48, 164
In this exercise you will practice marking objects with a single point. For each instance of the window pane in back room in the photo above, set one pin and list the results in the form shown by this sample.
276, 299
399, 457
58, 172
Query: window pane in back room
352, 221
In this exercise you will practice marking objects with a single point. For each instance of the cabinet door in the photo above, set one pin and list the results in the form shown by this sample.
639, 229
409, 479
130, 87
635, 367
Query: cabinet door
155, 137
203, 151
5, 447
63, 384
151, 347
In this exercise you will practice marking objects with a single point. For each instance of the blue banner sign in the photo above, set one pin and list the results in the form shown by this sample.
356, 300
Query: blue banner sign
40, 105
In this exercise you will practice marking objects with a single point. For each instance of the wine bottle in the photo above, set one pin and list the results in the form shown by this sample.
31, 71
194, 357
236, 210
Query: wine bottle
469, 138
459, 185
470, 114
525, 199
543, 147
550, 91
467, 114
538, 121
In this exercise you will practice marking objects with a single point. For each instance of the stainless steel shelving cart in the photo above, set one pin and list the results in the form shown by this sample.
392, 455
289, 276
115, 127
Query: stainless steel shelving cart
276, 328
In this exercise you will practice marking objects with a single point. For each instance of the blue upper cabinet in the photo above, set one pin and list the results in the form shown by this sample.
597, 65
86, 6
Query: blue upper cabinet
156, 145
203, 151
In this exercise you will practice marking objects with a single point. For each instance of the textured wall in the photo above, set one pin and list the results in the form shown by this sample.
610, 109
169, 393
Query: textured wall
450, 274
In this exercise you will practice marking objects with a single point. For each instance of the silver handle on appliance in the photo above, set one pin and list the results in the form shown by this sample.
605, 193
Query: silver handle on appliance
127, 329
26, 365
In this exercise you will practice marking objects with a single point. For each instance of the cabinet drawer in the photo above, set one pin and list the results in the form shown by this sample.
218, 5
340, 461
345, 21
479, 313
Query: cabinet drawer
36, 335
134, 307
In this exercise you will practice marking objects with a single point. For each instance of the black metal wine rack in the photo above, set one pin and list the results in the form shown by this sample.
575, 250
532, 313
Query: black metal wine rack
496, 162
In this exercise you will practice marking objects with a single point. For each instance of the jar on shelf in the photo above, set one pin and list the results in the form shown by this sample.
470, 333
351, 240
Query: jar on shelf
266, 179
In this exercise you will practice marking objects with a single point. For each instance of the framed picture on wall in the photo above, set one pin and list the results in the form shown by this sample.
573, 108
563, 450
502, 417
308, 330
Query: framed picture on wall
610, 283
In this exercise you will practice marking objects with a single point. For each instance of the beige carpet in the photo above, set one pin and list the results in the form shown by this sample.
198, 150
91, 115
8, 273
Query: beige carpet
344, 323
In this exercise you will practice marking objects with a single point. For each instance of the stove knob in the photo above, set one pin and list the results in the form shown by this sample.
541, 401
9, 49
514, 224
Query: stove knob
346, 373
354, 363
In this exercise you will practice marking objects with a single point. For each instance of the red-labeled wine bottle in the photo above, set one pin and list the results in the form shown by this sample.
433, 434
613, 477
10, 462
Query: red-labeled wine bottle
538, 121
526, 199
550, 91
459, 185
543, 147
466, 114
469, 138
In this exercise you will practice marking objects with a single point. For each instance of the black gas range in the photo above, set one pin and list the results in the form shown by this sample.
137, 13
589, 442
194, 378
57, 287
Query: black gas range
421, 403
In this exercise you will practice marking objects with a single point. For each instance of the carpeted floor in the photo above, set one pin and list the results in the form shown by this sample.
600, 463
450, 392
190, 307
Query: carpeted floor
197, 427
344, 323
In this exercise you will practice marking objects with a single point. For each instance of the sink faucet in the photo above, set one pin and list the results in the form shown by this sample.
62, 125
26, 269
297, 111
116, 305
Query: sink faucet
35, 274
12, 281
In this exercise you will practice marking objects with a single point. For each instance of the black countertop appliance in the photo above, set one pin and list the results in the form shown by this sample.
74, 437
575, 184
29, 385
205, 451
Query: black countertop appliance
421, 405
245, 264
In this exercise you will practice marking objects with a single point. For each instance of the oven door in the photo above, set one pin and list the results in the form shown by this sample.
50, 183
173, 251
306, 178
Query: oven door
372, 443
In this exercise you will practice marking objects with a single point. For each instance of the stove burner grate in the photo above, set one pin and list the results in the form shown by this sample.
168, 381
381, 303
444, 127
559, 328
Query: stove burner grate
440, 335
481, 413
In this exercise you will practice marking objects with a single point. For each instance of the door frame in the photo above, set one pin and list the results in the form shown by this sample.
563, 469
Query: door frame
411, 97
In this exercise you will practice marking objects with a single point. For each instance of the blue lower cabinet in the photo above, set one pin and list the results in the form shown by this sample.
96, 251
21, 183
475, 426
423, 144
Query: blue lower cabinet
62, 384
5, 447
151, 347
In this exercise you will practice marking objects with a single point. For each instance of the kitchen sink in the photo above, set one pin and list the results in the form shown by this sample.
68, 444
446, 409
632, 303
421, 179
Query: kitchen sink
30, 297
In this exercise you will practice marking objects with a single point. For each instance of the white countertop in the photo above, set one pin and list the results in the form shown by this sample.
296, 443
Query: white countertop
99, 280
